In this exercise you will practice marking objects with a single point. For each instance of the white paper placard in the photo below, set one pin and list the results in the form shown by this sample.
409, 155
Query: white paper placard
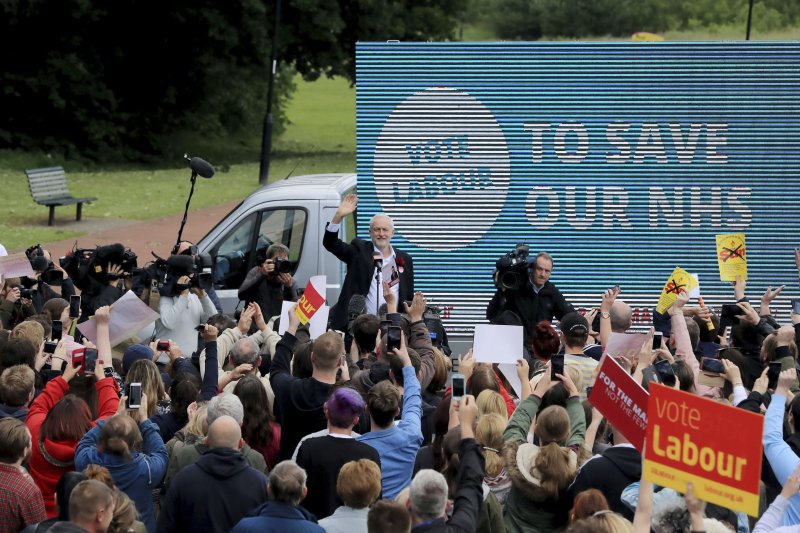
510, 372
15, 266
695, 293
626, 345
497, 344
128, 315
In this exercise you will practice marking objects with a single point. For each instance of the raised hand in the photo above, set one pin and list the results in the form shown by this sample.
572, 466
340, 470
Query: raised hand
417, 309
347, 206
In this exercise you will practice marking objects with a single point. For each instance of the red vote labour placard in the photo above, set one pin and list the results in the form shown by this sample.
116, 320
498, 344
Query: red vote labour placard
690, 439
622, 401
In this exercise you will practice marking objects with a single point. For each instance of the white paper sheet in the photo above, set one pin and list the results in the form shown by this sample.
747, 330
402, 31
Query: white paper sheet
128, 315
626, 345
695, 293
16, 265
497, 344
510, 372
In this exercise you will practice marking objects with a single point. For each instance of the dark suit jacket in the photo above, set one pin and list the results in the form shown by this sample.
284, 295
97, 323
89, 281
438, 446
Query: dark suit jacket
360, 273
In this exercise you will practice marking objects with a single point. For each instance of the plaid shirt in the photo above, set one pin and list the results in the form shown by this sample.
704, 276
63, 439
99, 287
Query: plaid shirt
21, 501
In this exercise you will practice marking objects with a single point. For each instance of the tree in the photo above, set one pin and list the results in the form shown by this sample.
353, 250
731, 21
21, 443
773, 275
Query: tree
120, 77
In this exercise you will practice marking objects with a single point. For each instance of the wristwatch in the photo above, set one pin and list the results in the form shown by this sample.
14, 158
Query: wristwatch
604, 314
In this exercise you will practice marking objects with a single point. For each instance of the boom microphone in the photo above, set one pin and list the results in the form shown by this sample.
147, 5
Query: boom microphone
200, 166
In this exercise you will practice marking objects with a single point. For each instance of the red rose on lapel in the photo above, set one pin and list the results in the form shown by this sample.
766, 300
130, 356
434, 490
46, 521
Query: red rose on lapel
400, 263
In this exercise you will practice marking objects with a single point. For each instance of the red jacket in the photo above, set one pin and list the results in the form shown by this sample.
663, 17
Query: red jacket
46, 471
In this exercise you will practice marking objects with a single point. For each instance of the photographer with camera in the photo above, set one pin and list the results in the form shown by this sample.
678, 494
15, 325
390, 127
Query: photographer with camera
271, 282
188, 248
525, 296
15, 303
48, 274
184, 304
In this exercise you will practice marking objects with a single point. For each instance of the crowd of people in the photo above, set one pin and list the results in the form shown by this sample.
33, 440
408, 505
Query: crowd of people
222, 424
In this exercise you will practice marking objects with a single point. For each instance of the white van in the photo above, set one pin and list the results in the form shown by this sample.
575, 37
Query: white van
293, 212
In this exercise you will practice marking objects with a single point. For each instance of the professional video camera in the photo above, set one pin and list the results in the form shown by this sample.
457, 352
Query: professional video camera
511, 272
89, 268
167, 273
41, 264
433, 322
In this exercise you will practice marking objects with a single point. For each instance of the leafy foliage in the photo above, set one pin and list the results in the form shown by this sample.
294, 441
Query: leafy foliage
534, 19
88, 78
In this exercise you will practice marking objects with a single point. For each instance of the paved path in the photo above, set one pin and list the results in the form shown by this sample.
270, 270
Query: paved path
157, 235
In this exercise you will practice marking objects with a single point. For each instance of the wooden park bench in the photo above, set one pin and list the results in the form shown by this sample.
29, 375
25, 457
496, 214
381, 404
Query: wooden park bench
49, 187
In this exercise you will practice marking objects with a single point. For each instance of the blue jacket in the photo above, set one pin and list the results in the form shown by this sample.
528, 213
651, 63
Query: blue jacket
399, 444
278, 516
138, 477
780, 456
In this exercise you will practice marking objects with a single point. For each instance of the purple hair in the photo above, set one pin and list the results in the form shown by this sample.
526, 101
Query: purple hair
344, 405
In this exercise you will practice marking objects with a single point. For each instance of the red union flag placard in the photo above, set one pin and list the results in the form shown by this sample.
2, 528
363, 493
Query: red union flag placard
689, 440
313, 298
622, 401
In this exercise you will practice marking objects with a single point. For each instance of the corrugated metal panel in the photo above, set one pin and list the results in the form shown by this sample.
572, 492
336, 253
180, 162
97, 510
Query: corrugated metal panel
622, 160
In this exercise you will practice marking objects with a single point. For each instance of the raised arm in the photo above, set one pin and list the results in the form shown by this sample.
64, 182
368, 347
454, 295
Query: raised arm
411, 417
469, 491
157, 456
208, 389
102, 317
280, 373
520, 423
782, 459
420, 339
605, 314
330, 239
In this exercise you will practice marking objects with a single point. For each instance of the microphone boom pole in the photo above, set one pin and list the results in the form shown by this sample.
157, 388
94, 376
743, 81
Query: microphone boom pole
203, 168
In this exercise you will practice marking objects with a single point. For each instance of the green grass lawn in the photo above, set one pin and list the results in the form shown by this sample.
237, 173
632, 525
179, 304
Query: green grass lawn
320, 138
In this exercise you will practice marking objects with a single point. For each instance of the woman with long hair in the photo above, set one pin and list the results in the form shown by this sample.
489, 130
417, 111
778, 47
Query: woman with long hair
146, 372
489, 434
259, 428
57, 422
541, 474
132, 452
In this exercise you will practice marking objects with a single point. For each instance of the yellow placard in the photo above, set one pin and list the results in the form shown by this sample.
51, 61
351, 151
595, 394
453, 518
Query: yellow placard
731, 256
705, 489
679, 281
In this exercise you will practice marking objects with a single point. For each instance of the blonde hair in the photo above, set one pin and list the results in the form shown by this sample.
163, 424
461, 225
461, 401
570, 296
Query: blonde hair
125, 513
614, 522
553, 461
602, 522
29, 330
489, 434
489, 401
198, 424
146, 372
359, 483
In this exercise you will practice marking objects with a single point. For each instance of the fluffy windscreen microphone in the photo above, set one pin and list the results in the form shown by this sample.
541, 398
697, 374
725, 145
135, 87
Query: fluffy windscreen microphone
356, 307
181, 265
201, 167
109, 252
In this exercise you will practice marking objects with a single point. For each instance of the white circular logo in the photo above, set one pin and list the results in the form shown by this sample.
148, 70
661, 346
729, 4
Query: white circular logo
442, 168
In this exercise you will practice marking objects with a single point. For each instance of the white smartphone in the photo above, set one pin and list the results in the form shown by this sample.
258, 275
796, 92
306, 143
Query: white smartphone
134, 396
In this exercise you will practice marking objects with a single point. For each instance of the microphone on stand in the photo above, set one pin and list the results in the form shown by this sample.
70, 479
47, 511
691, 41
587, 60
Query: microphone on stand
200, 166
